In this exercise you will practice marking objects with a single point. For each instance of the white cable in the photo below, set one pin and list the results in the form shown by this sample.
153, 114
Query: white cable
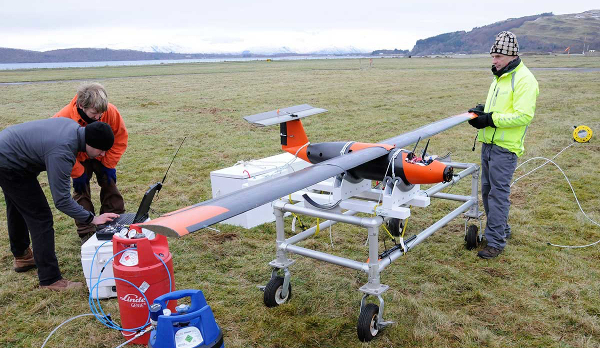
402, 245
330, 237
296, 154
63, 323
343, 150
279, 169
329, 201
136, 336
383, 180
533, 170
575, 195
393, 161
383, 184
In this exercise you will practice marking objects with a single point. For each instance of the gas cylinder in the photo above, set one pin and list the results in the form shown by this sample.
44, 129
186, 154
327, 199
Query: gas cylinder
141, 262
190, 326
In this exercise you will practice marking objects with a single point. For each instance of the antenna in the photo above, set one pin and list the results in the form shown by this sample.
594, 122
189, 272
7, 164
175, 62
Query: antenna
415, 149
425, 149
176, 152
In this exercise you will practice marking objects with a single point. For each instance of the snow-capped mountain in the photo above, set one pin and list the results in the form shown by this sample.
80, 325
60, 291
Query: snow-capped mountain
340, 50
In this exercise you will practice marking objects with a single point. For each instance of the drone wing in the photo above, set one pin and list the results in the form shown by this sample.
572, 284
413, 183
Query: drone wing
431, 129
204, 214
198, 216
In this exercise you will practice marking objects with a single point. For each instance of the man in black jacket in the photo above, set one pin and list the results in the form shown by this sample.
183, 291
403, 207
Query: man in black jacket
26, 150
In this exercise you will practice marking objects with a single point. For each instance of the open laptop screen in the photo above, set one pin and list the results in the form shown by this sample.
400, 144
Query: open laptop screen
144, 208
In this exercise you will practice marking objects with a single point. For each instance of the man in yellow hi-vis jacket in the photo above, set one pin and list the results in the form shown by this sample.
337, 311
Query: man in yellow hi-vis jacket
502, 124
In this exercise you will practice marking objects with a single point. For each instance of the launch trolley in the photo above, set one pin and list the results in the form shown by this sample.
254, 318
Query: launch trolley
389, 204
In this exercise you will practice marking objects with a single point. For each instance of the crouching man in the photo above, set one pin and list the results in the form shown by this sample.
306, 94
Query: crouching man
91, 105
26, 150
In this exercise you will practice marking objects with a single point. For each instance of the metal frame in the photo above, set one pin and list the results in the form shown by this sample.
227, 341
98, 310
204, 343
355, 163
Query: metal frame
388, 202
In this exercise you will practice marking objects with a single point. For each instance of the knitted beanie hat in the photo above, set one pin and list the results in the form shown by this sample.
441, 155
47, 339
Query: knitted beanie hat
99, 135
506, 43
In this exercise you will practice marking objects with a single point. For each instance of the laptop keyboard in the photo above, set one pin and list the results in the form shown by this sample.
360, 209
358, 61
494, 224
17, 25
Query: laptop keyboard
124, 219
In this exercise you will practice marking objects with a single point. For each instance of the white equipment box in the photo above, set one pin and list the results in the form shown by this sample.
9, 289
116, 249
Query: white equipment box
106, 288
246, 174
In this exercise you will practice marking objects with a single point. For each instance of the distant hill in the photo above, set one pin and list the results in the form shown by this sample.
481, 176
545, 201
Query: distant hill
539, 33
11, 55
395, 51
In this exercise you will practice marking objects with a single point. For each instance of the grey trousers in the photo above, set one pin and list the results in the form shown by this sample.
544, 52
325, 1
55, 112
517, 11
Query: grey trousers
497, 169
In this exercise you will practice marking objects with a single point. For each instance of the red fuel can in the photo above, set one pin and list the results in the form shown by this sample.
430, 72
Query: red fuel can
139, 264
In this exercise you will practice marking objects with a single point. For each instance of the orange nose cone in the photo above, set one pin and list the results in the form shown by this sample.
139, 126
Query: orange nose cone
432, 173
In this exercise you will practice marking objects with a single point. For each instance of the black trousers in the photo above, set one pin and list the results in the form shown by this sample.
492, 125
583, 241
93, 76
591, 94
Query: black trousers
28, 213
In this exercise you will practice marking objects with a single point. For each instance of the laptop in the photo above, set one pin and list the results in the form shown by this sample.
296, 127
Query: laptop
105, 232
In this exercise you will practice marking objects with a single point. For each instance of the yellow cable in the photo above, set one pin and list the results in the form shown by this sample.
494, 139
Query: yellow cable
405, 223
388, 232
317, 232
383, 225
302, 226
375, 208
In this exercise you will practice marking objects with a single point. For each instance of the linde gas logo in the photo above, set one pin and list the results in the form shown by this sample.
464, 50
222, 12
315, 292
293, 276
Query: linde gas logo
134, 300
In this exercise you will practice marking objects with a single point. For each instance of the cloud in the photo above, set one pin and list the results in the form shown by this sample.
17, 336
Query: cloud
237, 25
224, 40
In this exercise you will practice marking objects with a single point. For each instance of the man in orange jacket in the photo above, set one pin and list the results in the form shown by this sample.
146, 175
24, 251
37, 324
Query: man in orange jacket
88, 106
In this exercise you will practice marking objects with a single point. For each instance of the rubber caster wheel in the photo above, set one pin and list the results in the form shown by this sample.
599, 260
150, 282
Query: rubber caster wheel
367, 322
471, 237
272, 296
395, 227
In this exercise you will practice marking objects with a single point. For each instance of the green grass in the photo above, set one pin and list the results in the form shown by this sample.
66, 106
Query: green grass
441, 295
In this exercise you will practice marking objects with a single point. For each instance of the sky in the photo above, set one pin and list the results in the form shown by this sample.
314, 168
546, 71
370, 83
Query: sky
197, 26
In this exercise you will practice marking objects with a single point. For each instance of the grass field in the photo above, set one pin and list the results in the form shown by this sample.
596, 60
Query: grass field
441, 295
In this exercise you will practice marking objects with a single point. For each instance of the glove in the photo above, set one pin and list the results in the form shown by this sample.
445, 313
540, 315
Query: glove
478, 109
80, 183
483, 120
111, 173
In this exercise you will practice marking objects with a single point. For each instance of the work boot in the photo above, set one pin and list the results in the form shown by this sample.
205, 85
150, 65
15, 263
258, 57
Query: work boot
24, 263
489, 252
62, 284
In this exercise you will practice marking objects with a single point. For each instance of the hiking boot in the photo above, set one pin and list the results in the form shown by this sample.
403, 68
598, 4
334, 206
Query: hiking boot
62, 284
489, 252
24, 263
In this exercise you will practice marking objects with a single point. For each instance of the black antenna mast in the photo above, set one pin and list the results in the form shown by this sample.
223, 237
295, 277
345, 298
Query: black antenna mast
176, 152
425, 149
415, 149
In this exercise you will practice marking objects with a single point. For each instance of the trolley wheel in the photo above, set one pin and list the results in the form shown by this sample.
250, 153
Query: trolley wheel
394, 226
272, 296
367, 322
471, 237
